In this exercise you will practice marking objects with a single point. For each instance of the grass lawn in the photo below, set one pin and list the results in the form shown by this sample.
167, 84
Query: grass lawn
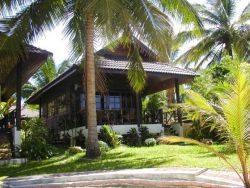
124, 158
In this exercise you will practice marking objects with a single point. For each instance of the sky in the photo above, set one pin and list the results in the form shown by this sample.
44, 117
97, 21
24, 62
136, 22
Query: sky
55, 42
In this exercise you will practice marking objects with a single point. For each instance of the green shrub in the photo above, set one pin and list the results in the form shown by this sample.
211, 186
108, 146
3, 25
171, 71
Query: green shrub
75, 150
131, 138
80, 139
103, 146
144, 133
34, 140
108, 135
150, 142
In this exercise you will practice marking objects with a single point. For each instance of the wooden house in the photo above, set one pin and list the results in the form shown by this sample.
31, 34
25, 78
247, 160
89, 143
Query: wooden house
62, 102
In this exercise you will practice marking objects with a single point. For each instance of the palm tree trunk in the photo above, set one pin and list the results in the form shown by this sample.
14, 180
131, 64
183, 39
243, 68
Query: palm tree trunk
230, 50
243, 162
93, 150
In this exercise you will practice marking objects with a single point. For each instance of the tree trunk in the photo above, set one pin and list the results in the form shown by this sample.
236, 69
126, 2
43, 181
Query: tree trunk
230, 50
243, 162
93, 150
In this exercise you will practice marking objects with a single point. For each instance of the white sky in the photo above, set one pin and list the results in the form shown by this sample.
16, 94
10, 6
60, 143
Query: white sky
55, 42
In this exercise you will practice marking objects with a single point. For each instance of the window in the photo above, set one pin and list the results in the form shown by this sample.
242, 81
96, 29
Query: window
112, 102
98, 102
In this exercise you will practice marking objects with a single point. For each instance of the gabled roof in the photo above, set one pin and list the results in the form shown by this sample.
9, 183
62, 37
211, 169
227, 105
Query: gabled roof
35, 57
120, 52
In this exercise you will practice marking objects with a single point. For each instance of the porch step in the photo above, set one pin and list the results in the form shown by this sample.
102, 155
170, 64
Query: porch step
147, 177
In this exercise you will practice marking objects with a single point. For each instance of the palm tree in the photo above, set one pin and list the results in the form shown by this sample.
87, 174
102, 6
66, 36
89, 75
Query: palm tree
231, 117
88, 20
48, 72
222, 36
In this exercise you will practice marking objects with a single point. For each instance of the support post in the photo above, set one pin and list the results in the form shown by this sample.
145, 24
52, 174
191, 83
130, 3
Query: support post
18, 95
138, 109
178, 100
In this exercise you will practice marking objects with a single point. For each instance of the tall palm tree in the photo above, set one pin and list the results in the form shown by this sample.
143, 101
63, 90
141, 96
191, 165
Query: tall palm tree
88, 20
48, 72
230, 116
222, 35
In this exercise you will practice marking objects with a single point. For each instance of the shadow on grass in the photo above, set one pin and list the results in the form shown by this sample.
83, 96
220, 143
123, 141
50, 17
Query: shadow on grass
75, 163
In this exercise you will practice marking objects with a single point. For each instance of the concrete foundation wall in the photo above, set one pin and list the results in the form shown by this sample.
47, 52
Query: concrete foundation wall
119, 129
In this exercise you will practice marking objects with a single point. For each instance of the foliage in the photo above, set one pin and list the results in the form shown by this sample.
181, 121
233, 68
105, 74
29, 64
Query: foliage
230, 116
168, 130
200, 131
104, 147
48, 72
150, 142
34, 141
222, 34
75, 150
108, 135
144, 133
132, 138
80, 139
5, 107
152, 104
213, 77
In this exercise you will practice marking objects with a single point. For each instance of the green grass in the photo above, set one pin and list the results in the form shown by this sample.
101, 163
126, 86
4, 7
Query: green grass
124, 158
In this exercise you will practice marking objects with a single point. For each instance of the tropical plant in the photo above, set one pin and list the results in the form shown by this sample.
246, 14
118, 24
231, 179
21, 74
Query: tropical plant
153, 103
132, 138
144, 133
85, 20
48, 72
5, 107
231, 117
213, 77
108, 135
34, 144
222, 36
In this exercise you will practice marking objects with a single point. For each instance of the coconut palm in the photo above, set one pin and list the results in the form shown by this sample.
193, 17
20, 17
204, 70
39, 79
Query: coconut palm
222, 36
48, 72
231, 117
86, 21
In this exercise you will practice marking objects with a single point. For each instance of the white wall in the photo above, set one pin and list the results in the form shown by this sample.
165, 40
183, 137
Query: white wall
119, 129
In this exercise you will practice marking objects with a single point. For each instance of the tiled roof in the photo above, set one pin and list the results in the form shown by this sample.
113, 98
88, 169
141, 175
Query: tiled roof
154, 67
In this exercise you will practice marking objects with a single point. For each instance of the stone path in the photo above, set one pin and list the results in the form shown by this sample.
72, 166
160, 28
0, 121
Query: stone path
151, 177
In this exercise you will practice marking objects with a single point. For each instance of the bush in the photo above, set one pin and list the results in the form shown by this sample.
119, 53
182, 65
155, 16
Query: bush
34, 141
75, 150
108, 135
80, 139
103, 146
131, 138
150, 142
144, 133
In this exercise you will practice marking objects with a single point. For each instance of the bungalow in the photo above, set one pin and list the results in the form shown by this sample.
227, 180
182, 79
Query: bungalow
62, 102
